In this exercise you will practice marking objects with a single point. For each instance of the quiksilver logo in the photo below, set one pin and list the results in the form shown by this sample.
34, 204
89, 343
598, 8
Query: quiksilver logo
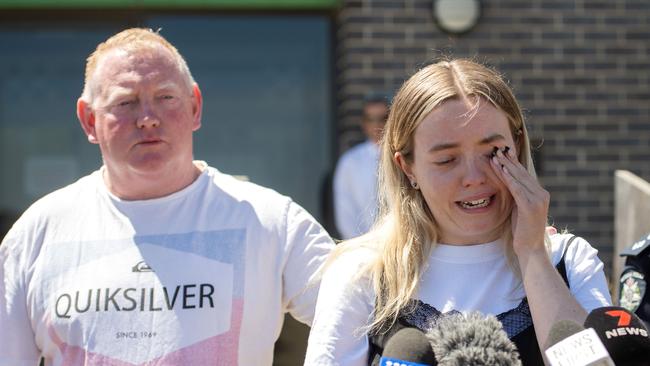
190, 296
142, 267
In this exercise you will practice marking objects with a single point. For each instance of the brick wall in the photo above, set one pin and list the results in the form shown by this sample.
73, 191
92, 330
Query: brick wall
579, 68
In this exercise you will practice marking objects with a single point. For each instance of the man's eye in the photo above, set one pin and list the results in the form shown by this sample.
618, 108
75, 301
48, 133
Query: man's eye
125, 103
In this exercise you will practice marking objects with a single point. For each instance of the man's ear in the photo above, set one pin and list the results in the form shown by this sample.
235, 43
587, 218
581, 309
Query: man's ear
87, 120
197, 106
400, 160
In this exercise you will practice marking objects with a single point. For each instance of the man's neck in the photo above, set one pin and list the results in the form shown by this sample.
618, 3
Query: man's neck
132, 186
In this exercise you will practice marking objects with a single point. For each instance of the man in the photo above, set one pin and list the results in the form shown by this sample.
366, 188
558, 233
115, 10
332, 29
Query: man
355, 177
154, 258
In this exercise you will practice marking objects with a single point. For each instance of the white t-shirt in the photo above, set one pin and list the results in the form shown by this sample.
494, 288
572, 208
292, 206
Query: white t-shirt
461, 278
200, 277
355, 190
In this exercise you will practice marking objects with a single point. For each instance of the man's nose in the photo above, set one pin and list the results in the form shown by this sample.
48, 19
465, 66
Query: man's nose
147, 117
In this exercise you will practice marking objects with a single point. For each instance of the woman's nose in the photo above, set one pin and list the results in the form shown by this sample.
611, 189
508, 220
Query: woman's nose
474, 172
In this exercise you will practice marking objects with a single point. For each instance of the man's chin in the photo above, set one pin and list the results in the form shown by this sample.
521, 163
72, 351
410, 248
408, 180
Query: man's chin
151, 167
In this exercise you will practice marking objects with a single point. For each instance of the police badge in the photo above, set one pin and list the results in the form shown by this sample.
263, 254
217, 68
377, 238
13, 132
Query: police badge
632, 288
633, 283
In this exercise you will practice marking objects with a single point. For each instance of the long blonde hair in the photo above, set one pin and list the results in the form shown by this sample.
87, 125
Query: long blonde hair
406, 231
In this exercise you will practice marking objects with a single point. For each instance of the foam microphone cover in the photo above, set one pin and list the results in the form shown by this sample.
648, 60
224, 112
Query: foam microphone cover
623, 334
410, 344
472, 339
561, 330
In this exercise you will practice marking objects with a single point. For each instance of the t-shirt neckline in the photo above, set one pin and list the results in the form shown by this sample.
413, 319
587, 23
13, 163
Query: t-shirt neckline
469, 253
181, 193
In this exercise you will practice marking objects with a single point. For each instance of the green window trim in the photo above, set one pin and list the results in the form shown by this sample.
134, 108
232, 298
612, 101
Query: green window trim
184, 4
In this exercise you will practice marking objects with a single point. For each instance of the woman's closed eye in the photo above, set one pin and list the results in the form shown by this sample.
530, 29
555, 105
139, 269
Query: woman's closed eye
445, 161
449, 160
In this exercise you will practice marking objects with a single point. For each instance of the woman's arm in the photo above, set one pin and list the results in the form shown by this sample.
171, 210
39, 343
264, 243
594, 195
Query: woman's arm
548, 296
345, 303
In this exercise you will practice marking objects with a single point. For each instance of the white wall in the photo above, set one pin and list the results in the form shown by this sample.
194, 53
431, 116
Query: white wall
632, 217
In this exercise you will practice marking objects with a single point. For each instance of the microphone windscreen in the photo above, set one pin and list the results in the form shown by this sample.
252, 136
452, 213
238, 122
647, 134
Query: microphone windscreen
561, 330
623, 334
472, 339
409, 344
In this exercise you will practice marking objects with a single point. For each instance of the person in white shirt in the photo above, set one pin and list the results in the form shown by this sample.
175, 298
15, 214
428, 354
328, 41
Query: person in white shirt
355, 177
461, 228
155, 258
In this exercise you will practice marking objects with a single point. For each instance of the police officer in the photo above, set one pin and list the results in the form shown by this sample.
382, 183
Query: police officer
633, 281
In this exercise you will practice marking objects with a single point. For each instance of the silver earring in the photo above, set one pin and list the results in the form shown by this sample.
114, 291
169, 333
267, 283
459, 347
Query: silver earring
414, 184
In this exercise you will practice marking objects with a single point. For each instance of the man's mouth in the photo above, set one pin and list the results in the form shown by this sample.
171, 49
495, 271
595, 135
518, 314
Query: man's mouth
149, 141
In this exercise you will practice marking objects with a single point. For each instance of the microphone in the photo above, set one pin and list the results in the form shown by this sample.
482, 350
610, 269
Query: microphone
570, 344
408, 347
472, 339
623, 333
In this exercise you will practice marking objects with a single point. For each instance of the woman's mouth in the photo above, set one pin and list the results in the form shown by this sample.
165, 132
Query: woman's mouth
480, 203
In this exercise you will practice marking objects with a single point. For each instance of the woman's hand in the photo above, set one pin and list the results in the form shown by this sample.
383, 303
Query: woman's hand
530, 211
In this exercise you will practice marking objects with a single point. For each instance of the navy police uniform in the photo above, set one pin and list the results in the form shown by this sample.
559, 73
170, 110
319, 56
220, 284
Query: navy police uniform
633, 294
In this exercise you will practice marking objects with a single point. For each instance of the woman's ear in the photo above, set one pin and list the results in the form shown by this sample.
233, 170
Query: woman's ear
404, 165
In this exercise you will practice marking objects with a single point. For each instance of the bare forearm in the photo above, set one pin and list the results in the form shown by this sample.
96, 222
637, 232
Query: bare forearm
548, 296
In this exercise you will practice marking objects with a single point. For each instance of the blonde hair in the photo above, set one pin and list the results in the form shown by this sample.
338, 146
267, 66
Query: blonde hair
131, 40
406, 231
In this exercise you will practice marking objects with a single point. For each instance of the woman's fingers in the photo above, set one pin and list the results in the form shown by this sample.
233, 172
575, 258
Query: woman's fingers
519, 191
530, 211
524, 188
517, 171
515, 187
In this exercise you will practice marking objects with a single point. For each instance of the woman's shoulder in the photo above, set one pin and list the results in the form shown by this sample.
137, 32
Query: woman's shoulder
347, 277
585, 271
353, 254
570, 246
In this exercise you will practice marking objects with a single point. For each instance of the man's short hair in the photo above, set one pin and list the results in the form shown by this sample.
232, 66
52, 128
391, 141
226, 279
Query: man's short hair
131, 40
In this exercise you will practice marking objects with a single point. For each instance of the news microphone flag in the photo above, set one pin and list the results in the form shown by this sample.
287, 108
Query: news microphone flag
409, 347
387, 361
582, 348
623, 333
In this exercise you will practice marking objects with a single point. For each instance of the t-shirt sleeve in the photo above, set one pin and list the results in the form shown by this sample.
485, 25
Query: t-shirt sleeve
586, 275
17, 345
345, 304
308, 247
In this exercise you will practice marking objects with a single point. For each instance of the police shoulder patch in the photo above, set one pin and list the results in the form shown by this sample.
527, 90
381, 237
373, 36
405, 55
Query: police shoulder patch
632, 286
